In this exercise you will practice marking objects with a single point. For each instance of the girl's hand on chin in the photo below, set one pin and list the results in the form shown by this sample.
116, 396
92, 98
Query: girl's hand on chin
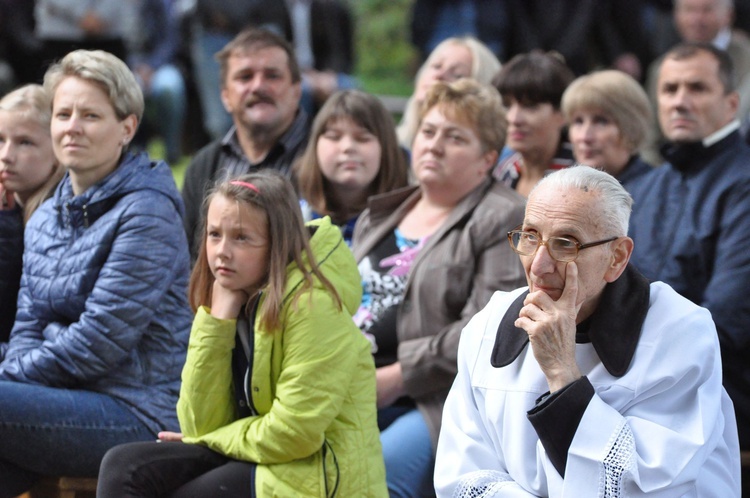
226, 303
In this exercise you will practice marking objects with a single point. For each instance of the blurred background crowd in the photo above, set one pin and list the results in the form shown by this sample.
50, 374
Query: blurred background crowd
375, 45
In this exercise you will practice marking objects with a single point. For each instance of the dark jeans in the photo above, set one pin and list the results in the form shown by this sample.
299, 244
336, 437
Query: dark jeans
59, 432
176, 470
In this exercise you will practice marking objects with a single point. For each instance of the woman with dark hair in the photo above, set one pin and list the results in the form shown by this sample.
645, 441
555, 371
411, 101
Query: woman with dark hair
531, 86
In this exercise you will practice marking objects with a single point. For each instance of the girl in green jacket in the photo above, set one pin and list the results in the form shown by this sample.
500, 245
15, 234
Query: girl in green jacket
278, 389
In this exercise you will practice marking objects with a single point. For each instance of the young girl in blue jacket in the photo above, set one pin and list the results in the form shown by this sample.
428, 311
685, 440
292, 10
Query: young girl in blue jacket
278, 390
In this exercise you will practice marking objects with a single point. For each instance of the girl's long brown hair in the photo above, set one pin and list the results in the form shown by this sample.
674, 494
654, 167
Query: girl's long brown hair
368, 112
288, 240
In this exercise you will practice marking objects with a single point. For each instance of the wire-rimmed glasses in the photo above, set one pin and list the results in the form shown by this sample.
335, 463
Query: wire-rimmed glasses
561, 249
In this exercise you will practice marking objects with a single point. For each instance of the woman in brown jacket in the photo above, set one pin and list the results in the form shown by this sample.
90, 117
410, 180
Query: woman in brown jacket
430, 257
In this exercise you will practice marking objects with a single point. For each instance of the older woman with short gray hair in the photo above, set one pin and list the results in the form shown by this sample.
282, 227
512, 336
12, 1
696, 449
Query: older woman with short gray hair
608, 115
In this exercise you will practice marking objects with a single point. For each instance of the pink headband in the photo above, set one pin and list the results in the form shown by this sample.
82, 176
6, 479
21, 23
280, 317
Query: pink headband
246, 185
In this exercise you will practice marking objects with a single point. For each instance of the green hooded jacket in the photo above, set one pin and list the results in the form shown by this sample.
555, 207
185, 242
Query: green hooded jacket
312, 384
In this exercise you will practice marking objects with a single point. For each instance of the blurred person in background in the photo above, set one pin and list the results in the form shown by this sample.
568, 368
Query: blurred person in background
531, 86
66, 25
608, 114
29, 173
433, 21
703, 21
153, 59
452, 59
352, 155
261, 90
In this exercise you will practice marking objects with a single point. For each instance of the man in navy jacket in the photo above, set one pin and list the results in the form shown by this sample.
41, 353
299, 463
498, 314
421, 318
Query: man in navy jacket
691, 217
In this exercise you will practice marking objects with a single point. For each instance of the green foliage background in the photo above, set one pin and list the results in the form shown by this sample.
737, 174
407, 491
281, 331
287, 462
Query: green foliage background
386, 60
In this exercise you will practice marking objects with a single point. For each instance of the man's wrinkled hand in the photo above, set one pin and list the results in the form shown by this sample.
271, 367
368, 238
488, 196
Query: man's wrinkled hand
551, 326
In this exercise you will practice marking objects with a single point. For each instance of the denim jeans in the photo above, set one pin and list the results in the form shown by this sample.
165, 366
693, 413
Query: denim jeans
407, 450
168, 98
216, 120
53, 431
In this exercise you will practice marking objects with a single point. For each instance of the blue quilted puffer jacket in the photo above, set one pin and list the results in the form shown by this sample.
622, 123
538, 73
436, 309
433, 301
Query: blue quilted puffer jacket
103, 299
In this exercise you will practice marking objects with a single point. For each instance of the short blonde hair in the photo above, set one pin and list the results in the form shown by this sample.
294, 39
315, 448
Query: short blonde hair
618, 96
105, 70
31, 102
484, 66
477, 104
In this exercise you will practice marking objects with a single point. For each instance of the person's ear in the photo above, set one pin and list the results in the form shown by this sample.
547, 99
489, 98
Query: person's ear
733, 104
489, 159
130, 125
622, 248
225, 100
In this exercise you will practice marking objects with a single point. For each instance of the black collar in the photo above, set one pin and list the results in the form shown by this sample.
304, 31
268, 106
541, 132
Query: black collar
614, 327
693, 156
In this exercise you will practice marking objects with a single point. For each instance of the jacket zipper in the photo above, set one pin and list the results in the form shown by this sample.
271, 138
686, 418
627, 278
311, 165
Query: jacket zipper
251, 358
248, 384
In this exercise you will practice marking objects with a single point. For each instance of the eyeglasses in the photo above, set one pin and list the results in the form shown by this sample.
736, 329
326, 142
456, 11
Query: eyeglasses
560, 248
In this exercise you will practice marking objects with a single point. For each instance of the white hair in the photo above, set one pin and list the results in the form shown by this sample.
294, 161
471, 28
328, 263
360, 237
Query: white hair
616, 202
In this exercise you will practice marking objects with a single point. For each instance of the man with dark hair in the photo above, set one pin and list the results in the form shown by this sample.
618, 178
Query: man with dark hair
703, 21
261, 90
691, 217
